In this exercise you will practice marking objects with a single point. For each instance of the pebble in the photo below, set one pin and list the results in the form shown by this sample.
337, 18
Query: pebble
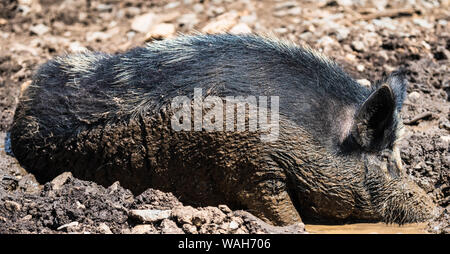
358, 46
170, 227
414, 96
364, 82
39, 29
12, 206
160, 31
60, 180
149, 215
286, 5
198, 8
423, 23
345, 2
143, 23
143, 229
360, 67
171, 5
240, 28
234, 225
68, 225
189, 20
104, 7
384, 23
289, 12
104, 228
191, 229
222, 24
76, 47
225, 209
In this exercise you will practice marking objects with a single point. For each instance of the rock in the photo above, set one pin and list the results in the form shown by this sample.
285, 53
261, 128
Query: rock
27, 217
39, 29
68, 225
281, 30
225, 209
60, 180
104, 7
240, 28
188, 20
104, 228
148, 216
345, 2
143, 229
234, 225
414, 96
360, 67
290, 12
286, 5
256, 225
423, 23
190, 229
97, 36
143, 23
364, 82
171, 5
198, 8
12, 206
170, 227
306, 36
222, 23
160, 31
385, 23
76, 47
342, 33
358, 46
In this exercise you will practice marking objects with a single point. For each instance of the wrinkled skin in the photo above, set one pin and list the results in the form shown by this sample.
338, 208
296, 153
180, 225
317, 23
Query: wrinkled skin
107, 118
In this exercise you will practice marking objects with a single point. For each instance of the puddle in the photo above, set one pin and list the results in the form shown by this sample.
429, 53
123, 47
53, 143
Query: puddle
367, 228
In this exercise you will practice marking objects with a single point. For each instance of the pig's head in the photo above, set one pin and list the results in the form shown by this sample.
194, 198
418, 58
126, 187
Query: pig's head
377, 127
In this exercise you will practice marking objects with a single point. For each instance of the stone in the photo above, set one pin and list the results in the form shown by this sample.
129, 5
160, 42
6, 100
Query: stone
222, 24
225, 209
358, 46
170, 227
143, 23
39, 29
364, 82
160, 31
189, 20
60, 180
68, 225
12, 206
240, 28
190, 229
76, 47
149, 215
143, 229
423, 23
104, 228
414, 96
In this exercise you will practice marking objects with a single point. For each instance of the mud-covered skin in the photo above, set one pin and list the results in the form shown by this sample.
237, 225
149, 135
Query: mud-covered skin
107, 118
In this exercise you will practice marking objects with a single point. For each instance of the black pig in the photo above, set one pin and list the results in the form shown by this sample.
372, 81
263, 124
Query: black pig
110, 118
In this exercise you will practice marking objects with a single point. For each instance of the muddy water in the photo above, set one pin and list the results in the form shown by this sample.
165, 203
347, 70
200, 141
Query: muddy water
367, 228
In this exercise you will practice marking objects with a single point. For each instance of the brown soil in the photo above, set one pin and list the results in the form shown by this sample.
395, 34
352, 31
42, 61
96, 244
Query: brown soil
369, 40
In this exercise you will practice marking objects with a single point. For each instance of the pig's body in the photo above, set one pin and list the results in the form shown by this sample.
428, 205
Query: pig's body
108, 118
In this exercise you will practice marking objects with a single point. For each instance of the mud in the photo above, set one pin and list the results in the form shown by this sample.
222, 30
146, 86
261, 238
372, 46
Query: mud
368, 40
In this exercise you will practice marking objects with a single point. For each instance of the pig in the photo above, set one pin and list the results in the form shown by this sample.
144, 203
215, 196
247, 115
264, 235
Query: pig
110, 118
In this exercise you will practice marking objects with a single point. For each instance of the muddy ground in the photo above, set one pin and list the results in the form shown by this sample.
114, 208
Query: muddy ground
368, 38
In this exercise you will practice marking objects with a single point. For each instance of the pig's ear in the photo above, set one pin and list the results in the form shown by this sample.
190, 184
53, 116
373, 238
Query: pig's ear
397, 82
374, 120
